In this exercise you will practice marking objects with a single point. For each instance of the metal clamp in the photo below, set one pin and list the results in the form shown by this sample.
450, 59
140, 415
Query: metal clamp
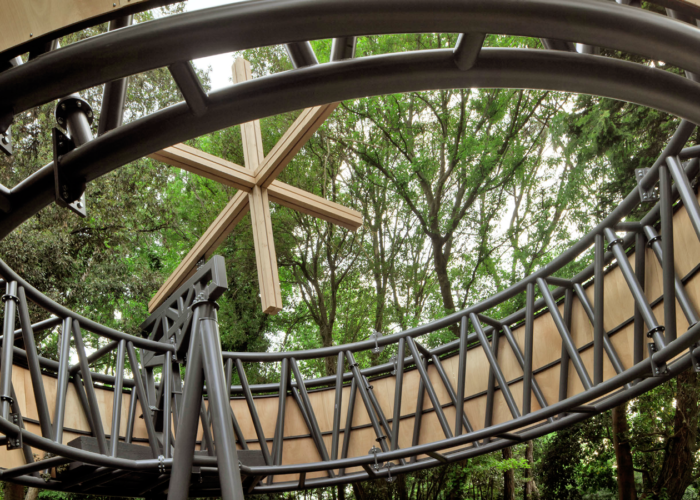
659, 329
614, 242
653, 240
376, 336
657, 370
8, 399
395, 361
161, 464
9, 296
645, 195
14, 442
388, 466
70, 193
695, 359
373, 451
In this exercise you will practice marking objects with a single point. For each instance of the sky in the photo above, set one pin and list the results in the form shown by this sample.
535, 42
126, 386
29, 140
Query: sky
220, 64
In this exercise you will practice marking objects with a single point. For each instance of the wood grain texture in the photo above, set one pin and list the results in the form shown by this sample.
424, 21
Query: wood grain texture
24, 20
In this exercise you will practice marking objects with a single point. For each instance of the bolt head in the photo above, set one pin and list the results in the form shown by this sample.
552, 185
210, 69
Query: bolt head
31, 35
79, 104
60, 121
5, 140
63, 106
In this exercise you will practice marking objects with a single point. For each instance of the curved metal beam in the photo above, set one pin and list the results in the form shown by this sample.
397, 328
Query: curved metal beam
270, 22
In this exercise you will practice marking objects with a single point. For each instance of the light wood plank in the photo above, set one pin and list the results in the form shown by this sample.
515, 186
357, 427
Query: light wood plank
265, 255
24, 20
310, 204
216, 233
250, 132
291, 142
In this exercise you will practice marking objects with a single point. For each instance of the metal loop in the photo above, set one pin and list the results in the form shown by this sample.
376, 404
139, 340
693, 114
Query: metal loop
652, 240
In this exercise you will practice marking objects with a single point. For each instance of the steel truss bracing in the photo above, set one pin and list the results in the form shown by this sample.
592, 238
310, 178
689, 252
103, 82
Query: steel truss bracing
156, 420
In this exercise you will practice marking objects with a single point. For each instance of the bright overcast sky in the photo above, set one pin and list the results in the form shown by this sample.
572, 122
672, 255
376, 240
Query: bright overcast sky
221, 63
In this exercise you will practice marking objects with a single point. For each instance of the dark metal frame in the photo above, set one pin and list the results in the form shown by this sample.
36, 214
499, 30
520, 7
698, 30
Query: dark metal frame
185, 327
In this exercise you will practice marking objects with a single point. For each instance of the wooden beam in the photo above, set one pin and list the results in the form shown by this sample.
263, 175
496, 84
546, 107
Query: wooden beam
310, 204
207, 165
265, 255
212, 238
231, 174
291, 142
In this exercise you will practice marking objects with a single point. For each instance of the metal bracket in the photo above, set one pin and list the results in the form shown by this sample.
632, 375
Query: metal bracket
14, 442
373, 451
6, 142
161, 464
646, 195
9, 296
694, 358
388, 466
376, 336
656, 369
395, 361
660, 329
70, 193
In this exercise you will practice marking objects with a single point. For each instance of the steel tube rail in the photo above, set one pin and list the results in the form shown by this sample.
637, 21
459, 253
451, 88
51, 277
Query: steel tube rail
253, 411
118, 396
610, 385
167, 405
348, 424
681, 294
609, 349
315, 431
668, 268
398, 394
42, 406
564, 360
10, 299
226, 456
265, 24
491, 356
527, 358
114, 94
143, 399
102, 351
687, 194
599, 305
37, 327
62, 382
639, 271
361, 384
461, 375
340, 367
519, 356
278, 442
453, 396
565, 335
94, 409
132, 418
429, 389
635, 288
353, 78
236, 427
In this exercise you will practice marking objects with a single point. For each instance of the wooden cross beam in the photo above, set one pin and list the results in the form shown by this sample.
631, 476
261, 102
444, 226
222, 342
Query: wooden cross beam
257, 187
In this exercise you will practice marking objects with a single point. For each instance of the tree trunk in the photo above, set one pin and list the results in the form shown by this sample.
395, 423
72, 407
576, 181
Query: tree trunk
623, 454
508, 477
341, 492
32, 494
14, 491
530, 490
677, 469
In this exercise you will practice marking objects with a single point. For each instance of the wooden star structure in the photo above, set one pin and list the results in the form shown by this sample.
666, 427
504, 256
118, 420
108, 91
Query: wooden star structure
257, 187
